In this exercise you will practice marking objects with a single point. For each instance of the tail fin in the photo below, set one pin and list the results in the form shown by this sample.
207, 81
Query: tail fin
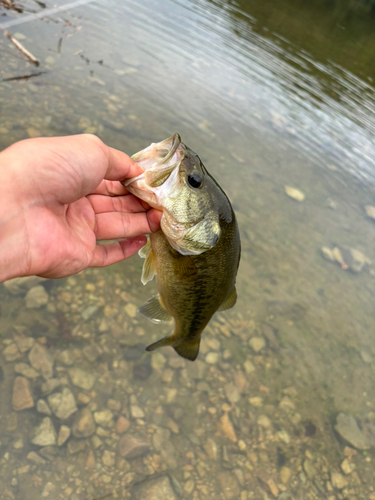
186, 349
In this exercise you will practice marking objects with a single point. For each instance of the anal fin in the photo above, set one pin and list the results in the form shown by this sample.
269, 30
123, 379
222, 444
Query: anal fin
148, 270
154, 311
186, 349
229, 301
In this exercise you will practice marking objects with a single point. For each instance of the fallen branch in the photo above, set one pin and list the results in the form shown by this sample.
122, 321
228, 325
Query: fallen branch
23, 77
21, 48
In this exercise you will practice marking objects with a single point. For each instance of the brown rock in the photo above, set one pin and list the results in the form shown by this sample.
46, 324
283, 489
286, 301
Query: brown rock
22, 397
122, 425
131, 447
83, 425
41, 360
227, 428
229, 485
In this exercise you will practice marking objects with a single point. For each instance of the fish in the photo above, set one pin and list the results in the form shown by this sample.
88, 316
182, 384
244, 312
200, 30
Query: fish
196, 253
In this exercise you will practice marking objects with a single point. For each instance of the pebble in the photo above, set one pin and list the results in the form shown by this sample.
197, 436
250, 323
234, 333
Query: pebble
131, 447
155, 488
256, 401
264, 421
136, 412
11, 353
257, 343
131, 310
108, 458
347, 467
286, 404
189, 486
22, 397
63, 435
158, 361
41, 360
36, 297
81, 378
63, 404
347, 427
19, 286
44, 434
294, 193
83, 425
35, 458
227, 428
212, 358
122, 425
285, 474
232, 393
249, 367
228, 485
104, 418
210, 447
338, 480
24, 343
89, 312
370, 211
42, 407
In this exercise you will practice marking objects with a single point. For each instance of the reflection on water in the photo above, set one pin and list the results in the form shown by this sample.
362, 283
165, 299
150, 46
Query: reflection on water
280, 402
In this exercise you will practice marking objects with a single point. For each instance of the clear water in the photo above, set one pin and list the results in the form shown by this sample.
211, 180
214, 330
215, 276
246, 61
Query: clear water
268, 94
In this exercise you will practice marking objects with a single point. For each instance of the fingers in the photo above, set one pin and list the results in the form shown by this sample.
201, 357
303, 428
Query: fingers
105, 255
120, 165
128, 203
110, 188
115, 225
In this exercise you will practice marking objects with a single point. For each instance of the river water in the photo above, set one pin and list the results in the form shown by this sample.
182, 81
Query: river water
281, 401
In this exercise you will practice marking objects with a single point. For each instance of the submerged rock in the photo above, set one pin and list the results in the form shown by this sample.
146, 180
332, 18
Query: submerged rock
63, 404
19, 286
347, 427
131, 447
154, 488
36, 297
296, 194
83, 425
22, 398
82, 379
348, 258
370, 211
41, 360
44, 434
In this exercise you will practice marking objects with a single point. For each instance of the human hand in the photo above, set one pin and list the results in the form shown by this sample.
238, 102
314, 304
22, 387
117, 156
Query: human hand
58, 197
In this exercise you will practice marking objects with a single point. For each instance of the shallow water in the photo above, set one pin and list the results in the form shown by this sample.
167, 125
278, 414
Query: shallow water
269, 94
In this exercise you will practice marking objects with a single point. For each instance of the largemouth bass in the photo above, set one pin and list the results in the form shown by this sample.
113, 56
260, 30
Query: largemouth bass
196, 254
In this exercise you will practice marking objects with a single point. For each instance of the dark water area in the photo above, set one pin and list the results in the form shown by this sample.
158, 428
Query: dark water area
278, 100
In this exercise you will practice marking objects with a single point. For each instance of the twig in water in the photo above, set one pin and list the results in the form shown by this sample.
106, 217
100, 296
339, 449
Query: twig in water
22, 77
21, 48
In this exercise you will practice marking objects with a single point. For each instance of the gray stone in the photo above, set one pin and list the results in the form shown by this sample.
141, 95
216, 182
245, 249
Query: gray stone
63, 404
154, 488
257, 343
88, 312
36, 297
83, 425
44, 434
22, 397
19, 286
347, 427
63, 436
42, 407
11, 353
35, 458
82, 379
104, 418
23, 342
131, 447
41, 360
26, 370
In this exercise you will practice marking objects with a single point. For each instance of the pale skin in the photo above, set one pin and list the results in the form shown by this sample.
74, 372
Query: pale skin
61, 196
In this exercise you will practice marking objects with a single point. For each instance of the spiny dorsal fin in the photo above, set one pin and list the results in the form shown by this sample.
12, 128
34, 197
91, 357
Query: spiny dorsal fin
188, 350
229, 301
154, 311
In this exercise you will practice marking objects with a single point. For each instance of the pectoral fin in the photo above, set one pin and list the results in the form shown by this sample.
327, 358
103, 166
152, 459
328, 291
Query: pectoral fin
229, 301
186, 349
154, 311
148, 270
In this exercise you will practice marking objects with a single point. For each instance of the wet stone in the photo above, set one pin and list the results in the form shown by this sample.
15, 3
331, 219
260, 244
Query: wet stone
212, 358
19, 286
249, 367
347, 427
63, 435
81, 379
131, 447
22, 397
63, 404
44, 434
24, 343
122, 425
131, 310
108, 458
26, 370
285, 474
136, 411
42, 407
158, 488
257, 343
370, 211
264, 421
338, 480
294, 193
104, 418
36, 297
11, 353
232, 393
89, 312
35, 458
41, 360
83, 425
229, 485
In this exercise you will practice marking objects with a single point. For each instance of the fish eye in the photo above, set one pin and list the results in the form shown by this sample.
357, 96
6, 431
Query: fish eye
195, 180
